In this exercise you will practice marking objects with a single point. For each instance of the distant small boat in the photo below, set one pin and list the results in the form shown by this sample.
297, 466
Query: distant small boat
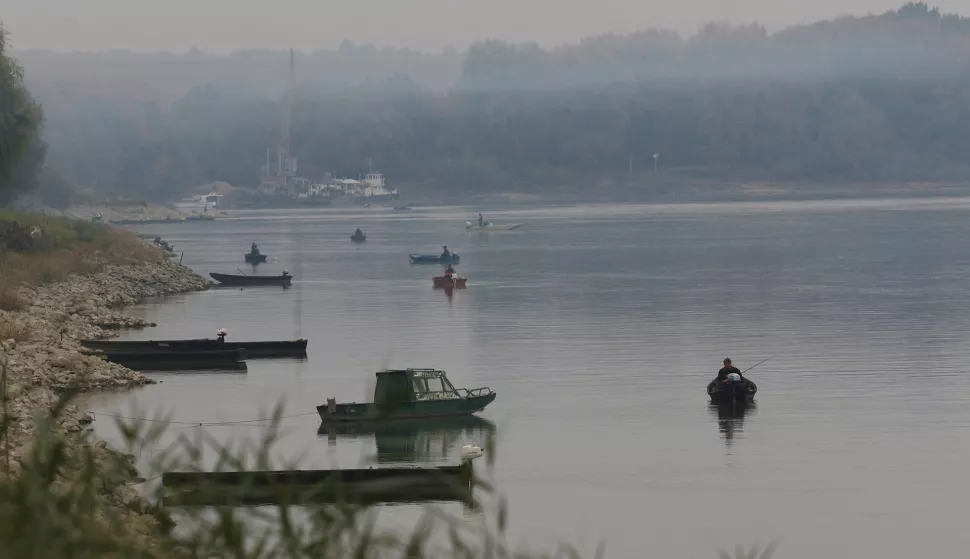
404, 208
254, 256
433, 259
233, 279
358, 238
723, 392
410, 393
489, 226
447, 282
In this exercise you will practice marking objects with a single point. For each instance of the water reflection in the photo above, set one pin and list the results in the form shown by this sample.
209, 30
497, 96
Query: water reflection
730, 418
415, 440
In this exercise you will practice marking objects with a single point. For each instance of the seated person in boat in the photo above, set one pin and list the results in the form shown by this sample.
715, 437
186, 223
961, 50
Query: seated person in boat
358, 233
254, 249
450, 271
727, 369
481, 219
446, 254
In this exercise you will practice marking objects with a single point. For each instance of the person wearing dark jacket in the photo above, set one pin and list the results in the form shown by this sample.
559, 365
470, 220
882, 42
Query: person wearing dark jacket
727, 369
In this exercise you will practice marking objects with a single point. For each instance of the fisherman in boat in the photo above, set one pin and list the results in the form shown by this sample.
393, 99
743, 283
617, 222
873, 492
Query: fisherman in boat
358, 233
729, 372
450, 272
481, 220
254, 249
446, 255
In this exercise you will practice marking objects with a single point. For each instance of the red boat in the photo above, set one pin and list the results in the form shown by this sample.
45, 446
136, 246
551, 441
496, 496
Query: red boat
449, 281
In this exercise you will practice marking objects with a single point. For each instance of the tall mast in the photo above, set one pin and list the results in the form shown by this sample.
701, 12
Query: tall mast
287, 116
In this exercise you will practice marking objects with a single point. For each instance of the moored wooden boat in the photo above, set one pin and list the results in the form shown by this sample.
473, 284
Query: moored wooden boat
233, 279
410, 393
722, 392
283, 348
167, 360
360, 485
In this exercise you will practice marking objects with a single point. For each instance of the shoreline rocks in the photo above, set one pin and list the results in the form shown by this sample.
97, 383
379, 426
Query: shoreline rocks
42, 359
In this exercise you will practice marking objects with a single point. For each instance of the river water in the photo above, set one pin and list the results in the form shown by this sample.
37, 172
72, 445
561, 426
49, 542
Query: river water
599, 327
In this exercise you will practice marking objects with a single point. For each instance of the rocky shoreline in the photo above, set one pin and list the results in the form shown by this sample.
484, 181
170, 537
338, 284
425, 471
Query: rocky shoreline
42, 359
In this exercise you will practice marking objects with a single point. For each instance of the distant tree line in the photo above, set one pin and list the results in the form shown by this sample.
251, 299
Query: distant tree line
883, 97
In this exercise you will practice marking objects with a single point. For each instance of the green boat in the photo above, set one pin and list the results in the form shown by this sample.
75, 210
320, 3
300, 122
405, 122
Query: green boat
407, 394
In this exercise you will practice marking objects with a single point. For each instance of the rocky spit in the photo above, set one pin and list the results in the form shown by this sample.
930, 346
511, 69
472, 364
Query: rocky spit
43, 360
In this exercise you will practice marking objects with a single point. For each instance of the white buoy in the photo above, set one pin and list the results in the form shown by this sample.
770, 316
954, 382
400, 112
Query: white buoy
470, 452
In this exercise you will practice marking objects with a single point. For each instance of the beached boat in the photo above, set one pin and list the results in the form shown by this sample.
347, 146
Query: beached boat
167, 360
722, 392
233, 279
434, 259
489, 226
284, 348
410, 393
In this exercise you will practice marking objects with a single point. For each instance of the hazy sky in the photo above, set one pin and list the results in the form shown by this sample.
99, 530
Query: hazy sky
429, 25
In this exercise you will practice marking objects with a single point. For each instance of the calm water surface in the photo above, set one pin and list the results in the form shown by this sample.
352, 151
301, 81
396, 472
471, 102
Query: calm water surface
599, 327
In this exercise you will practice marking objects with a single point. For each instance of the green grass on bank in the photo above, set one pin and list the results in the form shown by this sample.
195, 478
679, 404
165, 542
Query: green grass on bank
37, 249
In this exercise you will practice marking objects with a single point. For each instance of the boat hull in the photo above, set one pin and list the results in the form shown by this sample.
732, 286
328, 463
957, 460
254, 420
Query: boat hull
286, 348
175, 360
255, 258
448, 283
728, 392
433, 259
511, 227
405, 410
360, 239
228, 279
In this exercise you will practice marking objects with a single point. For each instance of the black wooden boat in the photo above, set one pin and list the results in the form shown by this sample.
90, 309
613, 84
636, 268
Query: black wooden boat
255, 258
168, 360
356, 485
742, 391
284, 348
232, 279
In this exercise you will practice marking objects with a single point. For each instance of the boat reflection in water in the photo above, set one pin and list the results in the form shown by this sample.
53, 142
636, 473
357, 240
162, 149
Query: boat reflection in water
730, 418
415, 441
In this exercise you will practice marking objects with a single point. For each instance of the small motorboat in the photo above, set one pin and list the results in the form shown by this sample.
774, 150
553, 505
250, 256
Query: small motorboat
404, 208
732, 391
489, 226
254, 256
450, 279
433, 259
241, 280
411, 394
358, 237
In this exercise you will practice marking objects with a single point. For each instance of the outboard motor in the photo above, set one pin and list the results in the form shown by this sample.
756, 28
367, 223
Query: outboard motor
734, 377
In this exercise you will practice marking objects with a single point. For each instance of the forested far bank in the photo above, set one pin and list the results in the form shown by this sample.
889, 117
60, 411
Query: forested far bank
875, 98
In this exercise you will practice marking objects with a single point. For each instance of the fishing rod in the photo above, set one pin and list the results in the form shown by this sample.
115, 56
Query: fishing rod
753, 366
